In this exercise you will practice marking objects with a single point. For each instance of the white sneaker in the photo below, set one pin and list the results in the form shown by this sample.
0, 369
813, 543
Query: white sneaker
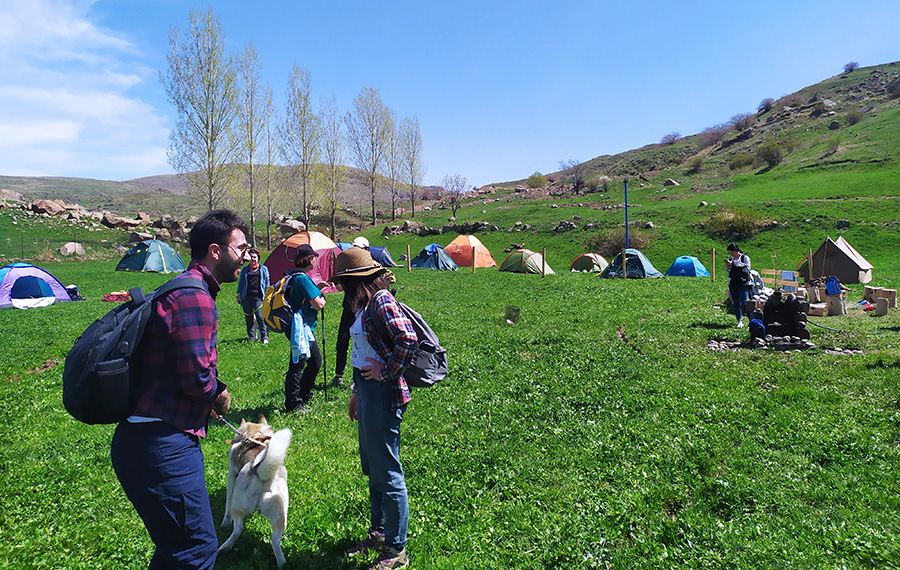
740, 324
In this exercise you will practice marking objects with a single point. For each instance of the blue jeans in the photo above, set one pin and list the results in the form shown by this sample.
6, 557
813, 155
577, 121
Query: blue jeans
161, 471
379, 454
739, 295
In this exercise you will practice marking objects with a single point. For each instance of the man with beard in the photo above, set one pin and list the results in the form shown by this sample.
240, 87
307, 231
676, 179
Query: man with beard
156, 451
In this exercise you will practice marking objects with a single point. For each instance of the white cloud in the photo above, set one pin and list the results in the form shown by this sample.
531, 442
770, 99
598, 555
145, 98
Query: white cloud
67, 106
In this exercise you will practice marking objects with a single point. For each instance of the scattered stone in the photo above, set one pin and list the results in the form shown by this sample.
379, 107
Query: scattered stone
71, 248
670, 182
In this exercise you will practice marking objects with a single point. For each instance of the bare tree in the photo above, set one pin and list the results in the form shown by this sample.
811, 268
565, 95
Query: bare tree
577, 171
742, 121
850, 66
300, 136
454, 188
410, 139
367, 129
712, 135
333, 144
670, 138
200, 82
254, 113
765, 104
271, 186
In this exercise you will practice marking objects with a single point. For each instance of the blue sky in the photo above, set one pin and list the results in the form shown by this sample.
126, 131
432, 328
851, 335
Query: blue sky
501, 89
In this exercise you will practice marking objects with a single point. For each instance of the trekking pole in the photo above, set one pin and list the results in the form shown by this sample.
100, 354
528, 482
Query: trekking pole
324, 361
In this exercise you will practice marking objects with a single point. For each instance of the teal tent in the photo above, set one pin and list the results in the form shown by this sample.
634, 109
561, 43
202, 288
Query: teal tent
151, 255
433, 256
687, 266
636, 266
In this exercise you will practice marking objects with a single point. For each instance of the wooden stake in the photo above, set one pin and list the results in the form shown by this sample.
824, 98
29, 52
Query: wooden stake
408, 260
473, 260
712, 265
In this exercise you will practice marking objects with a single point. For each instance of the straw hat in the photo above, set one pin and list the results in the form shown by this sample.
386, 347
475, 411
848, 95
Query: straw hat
355, 262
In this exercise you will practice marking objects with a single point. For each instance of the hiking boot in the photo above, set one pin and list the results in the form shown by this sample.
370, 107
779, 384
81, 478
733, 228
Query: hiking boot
373, 541
337, 382
390, 558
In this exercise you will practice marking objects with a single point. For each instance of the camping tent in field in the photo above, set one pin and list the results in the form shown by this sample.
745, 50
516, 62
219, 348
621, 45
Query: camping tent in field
379, 254
282, 257
460, 249
433, 256
636, 266
687, 266
840, 259
525, 261
151, 255
589, 263
24, 286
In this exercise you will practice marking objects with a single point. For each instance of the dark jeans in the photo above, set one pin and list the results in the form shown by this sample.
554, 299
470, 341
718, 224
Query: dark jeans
343, 341
255, 323
301, 377
161, 471
739, 295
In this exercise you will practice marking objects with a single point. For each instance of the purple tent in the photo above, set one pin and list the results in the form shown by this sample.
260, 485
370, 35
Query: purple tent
25, 286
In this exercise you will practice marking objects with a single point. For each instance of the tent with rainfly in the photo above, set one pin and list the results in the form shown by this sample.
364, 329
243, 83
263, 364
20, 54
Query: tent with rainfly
525, 261
433, 256
151, 255
839, 258
636, 266
460, 249
25, 286
379, 254
589, 263
282, 257
687, 266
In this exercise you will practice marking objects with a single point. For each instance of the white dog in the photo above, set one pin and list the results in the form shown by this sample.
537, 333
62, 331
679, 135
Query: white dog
257, 478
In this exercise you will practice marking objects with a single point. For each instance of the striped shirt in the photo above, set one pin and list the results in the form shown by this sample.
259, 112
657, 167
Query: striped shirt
397, 351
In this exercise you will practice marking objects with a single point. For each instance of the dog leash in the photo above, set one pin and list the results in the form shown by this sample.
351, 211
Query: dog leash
243, 437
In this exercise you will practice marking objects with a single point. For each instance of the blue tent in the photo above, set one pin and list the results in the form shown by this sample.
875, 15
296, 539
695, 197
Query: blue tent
433, 256
379, 254
687, 266
636, 266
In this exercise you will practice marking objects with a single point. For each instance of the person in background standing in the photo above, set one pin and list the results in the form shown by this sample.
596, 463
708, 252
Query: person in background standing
156, 452
252, 287
343, 335
739, 280
306, 300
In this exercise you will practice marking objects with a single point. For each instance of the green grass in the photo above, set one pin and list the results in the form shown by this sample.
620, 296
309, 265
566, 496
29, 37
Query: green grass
598, 432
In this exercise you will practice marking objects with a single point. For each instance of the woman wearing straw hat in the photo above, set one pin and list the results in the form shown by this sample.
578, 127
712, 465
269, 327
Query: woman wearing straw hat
306, 359
379, 400
738, 266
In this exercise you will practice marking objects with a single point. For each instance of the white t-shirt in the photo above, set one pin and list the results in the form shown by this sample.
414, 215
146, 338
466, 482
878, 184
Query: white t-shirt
361, 347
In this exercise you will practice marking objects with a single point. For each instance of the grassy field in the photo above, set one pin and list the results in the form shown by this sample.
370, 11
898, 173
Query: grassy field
598, 432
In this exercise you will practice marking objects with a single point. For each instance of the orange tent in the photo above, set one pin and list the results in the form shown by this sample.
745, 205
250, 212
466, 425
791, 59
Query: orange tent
460, 250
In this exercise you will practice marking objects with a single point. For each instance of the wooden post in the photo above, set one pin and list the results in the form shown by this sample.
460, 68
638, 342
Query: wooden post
543, 262
408, 260
712, 265
473, 260
809, 266
624, 265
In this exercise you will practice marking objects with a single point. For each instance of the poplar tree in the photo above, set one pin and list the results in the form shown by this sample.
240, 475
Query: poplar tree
300, 136
410, 141
200, 82
333, 145
367, 131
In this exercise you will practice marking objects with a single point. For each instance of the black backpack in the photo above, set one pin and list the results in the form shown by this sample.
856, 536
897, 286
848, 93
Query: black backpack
96, 377
429, 363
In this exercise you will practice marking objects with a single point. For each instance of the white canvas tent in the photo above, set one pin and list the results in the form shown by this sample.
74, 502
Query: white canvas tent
837, 257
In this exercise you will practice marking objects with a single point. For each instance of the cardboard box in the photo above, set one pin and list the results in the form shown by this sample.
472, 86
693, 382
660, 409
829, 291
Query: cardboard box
818, 309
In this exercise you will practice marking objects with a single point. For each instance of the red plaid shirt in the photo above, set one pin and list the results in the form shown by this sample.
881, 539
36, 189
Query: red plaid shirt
174, 369
397, 351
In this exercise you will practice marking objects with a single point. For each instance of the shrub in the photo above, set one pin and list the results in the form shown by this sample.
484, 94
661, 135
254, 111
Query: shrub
818, 109
599, 184
712, 135
695, 164
611, 241
848, 67
537, 180
766, 104
854, 117
741, 160
742, 121
770, 153
737, 223
832, 144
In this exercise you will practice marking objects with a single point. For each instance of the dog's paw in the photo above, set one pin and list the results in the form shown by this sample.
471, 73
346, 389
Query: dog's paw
226, 521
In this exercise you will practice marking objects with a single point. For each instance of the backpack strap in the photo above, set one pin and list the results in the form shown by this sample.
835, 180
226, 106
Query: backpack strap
378, 322
138, 295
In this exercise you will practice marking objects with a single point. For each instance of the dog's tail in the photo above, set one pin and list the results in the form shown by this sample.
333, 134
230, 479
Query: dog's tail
275, 453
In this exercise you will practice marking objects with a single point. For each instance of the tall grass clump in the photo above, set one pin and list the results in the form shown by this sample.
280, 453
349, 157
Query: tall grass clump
739, 223
611, 241
741, 160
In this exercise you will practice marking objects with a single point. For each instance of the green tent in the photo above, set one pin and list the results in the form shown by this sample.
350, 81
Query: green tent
525, 261
151, 255
636, 266
589, 263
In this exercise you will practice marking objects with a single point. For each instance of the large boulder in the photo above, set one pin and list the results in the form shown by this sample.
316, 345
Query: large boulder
71, 248
139, 236
49, 207
290, 227
11, 196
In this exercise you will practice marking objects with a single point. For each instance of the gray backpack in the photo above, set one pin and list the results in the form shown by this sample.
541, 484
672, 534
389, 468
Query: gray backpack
429, 363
